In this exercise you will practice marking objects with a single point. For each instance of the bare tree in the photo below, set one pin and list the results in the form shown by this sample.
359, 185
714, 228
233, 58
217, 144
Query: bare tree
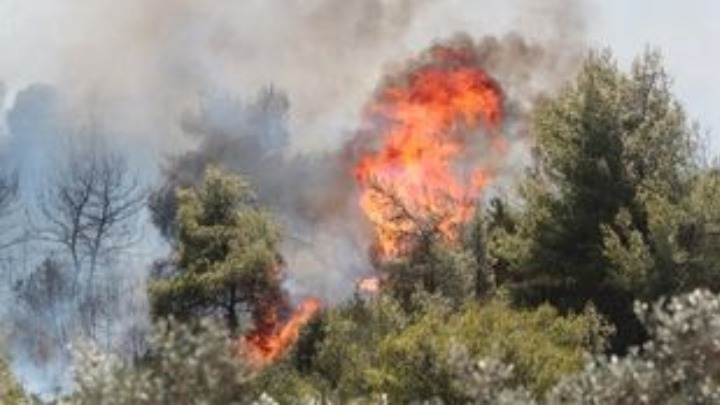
90, 209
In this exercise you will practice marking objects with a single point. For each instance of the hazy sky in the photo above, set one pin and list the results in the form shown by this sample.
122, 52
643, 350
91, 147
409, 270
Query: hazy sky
41, 38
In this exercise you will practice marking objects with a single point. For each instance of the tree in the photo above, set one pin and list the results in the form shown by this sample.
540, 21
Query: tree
603, 207
226, 256
90, 210
430, 259
8, 225
434, 267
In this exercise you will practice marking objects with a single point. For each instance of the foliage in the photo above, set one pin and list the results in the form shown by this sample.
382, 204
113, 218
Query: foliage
11, 392
541, 345
187, 365
487, 381
607, 205
374, 347
616, 208
348, 357
396, 365
226, 253
680, 365
433, 267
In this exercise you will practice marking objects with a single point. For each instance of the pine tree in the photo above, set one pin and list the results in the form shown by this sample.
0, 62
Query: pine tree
605, 205
226, 258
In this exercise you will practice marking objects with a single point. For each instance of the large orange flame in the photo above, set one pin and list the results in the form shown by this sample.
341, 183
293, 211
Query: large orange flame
271, 340
420, 179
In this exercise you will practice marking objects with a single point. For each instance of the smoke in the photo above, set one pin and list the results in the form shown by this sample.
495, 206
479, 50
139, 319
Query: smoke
311, 190
140, 65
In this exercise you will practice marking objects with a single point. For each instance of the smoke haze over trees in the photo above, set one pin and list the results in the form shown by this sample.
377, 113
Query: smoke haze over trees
182, 213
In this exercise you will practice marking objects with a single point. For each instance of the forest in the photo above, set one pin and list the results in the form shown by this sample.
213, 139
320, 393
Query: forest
594, 281
352, 202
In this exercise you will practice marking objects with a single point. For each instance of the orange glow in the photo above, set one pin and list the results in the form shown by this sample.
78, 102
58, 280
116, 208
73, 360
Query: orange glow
267, 344
421, 177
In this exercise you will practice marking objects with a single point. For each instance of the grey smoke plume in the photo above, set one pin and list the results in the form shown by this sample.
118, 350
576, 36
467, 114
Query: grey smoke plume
140, 65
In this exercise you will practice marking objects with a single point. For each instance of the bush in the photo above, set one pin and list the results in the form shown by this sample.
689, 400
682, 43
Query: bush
373, 347
680, 365
187, 365
11, 392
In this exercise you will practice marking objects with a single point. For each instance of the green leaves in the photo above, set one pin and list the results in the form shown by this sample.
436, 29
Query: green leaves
11, 392
604, 212
226, 252
372, 347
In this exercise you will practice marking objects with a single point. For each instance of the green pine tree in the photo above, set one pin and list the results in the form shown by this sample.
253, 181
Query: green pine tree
606, 205
226, 257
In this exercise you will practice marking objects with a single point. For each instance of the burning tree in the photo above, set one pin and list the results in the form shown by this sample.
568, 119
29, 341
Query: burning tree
227, 262
423, 175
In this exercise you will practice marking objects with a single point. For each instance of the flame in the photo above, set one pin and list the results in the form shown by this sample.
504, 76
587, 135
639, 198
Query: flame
270, 340
420, 179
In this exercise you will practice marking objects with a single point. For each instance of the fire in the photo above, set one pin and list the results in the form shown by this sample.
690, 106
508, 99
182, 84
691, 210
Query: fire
422, 177
270, 340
